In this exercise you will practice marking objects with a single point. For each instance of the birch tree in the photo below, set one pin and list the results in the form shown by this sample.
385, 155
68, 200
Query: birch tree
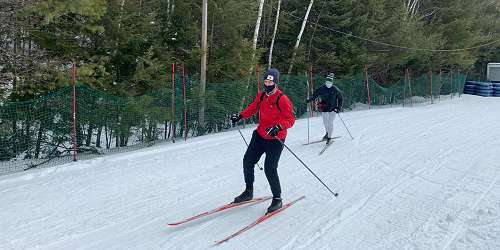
274, 35
254, 46
257, 27
412, 6
297, 43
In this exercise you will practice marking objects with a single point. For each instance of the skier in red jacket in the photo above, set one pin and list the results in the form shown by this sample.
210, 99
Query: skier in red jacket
275, 117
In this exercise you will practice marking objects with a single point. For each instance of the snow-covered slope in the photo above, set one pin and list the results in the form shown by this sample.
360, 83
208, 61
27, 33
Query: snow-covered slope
413, 178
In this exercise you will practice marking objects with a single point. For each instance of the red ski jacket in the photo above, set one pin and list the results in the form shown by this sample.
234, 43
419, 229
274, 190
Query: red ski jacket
270, 114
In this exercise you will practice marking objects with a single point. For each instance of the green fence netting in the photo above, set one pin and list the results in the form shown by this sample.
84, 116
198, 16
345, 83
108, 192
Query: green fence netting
39, 132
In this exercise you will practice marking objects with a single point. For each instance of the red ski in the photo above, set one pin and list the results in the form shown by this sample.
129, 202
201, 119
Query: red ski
220, 209
258, 221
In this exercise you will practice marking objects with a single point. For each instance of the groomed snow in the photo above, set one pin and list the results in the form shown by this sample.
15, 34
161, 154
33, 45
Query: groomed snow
425, 177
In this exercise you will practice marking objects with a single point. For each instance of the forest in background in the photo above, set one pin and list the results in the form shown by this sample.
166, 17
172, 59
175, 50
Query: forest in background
123, 47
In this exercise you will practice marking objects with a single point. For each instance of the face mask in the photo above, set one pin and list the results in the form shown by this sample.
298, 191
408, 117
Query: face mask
269, 89
329, 84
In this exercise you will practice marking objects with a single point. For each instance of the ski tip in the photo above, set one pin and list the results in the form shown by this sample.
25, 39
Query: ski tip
217, 243
259, 220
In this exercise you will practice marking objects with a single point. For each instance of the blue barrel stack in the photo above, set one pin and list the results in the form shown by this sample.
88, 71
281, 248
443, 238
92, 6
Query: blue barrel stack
482, 88
496, 89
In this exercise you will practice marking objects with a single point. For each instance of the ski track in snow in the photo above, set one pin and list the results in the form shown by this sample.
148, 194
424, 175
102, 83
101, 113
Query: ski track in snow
425, 177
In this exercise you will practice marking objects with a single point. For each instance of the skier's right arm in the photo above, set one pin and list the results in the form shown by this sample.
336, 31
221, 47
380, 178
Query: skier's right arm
252, 108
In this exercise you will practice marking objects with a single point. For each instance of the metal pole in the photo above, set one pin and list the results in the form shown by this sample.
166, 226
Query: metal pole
432, 97
307, 108
184, 97
311, 107
367, 86
73, 77
404, 87
173, 103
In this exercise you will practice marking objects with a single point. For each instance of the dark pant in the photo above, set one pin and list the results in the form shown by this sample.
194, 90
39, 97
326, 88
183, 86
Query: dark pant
257, 147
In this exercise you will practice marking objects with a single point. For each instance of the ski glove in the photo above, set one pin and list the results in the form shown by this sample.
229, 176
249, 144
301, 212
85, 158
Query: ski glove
235, 118
336, 110
274, 130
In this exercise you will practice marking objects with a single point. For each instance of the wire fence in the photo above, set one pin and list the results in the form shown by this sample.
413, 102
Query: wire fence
81, 123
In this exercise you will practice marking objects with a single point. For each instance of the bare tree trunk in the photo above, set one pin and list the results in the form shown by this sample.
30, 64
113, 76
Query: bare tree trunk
122, 4
169, 130
88, 140
165, 131
299, 37
140, 7
274, 35
27, 138
257, 27
29, 38
172, 9
98, 140
254, 47
38, 141
106, 135
412, 7
203, 73
15, 145
211, 37
314, 31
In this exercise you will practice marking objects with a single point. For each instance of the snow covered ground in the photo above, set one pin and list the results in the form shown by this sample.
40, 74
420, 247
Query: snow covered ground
413, 178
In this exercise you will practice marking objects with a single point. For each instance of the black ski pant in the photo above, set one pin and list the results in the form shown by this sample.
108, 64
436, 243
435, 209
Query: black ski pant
256, 148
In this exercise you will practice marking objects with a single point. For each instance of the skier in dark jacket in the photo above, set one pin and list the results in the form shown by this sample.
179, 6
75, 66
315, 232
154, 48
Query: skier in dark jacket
330, 100
275, 117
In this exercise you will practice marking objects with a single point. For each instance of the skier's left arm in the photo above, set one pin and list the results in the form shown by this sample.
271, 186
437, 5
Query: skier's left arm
287, 119
340, 98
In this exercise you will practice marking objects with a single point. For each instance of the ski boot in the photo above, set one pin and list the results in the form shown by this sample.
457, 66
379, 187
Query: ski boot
328, 141
325, 137
275, 205
245, 196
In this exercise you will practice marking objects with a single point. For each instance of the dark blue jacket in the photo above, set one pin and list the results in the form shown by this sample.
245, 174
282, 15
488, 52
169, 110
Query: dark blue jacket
329, 98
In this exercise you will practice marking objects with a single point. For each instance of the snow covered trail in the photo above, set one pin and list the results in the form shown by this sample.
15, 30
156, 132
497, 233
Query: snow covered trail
426, 177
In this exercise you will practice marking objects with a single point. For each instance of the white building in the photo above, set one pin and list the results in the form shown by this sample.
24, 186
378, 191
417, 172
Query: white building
493, 72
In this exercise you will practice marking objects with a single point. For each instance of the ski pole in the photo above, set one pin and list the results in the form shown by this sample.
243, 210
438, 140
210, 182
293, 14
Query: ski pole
352, 138
308, 116
326, 186
246, 143
308, 108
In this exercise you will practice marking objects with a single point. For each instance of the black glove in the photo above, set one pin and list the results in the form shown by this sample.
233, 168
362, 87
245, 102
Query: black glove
274, 130
235, 118
336, 110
